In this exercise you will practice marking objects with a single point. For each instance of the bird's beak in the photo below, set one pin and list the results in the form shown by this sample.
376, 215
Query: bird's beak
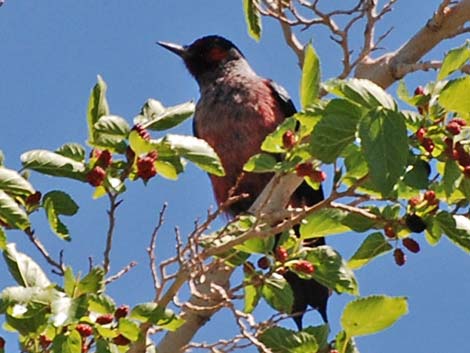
174, 48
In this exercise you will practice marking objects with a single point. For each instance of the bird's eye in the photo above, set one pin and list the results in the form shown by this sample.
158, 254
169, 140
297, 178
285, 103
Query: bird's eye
217, 54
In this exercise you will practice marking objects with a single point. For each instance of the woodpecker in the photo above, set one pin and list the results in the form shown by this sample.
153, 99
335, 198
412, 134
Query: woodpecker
236, 110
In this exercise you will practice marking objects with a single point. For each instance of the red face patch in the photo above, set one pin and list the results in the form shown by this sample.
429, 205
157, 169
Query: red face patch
217, 54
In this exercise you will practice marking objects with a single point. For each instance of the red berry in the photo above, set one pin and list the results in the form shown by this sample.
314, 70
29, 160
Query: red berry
105, 159
304, 267
428, 144
281, 254
463, 155
389, 231
411, 244
141, 131
264, 263
146, 167
318, 176
33, 199
122, 311
96, 176
460, 121
2, 343
44, 341
289, 139
121, 340
399, 256
334, 351
414, 201
104, 319
84, 330
304, 169
420, 134
454, 128
466, 171
430, 196
419, 91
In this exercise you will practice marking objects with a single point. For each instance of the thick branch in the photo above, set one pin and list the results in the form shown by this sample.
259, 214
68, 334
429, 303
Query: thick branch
446, 23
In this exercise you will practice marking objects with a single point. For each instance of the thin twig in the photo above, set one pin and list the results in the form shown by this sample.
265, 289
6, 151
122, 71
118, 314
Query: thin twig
114, 204
121, 273
59, 267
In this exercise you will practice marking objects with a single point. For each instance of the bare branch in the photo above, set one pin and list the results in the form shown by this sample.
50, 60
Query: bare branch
114, 204
121, 273
58, 266
151, 249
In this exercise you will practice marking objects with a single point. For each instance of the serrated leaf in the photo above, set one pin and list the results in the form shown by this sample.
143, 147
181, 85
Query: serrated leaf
278, 293
112, 125
363, 92
97, 107
11, 213
311, 75
252, 19
356, 165
155, 116
453, 96
73, 151
13, 183
197, 151
368, 315
252, 297
93, 282
24, 269
336, 130
374, 245
324, 222
50, 163
385, 147
282, 340
260, 163
320, 333
101, 303
454, 60
331, 270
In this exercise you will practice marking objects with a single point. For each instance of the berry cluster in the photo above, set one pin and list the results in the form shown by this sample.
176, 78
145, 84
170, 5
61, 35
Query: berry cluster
426, 142
96, 176
303, 266
289, 139
454, 149
307, 170
146, 166
281, 254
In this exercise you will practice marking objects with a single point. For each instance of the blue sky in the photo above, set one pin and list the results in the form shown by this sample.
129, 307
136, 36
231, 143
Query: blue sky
51, 53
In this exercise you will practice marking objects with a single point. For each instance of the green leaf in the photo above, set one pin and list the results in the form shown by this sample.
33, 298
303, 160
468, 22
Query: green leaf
57, 203
456, 228
73, 151
278, 293
252, 19
97, 107
345, 344
151, 312
112, 125
155, 116
252, 296
385, 147
363, 92
324, 222
50, 163
256, 245
68, 342
69, 282
197, 151
27, 319
101, 303
93, 282
129, 329
354, 161
368, 315
24, 269
320, 333
273, 142
374, 245
454, 96
336, 130
454, 60
166, 169
3, 239
11, 213
65, 310
310, 81
13, 183
417, 175
282, 340
260, 163
331, 270
452, 175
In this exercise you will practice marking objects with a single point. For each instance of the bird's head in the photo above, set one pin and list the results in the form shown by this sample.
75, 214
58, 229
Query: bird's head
205, 54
